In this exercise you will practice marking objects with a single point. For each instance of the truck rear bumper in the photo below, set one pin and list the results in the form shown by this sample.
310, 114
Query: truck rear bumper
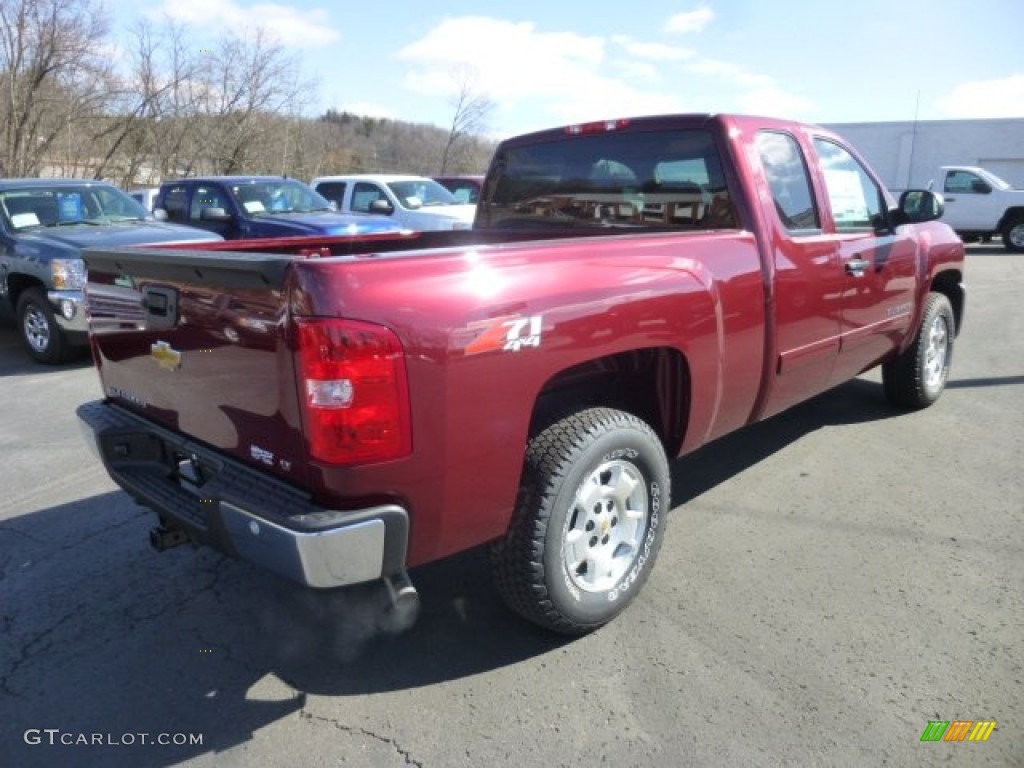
245, 513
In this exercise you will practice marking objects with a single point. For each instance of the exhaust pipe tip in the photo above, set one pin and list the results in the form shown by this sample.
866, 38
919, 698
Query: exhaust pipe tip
405, 602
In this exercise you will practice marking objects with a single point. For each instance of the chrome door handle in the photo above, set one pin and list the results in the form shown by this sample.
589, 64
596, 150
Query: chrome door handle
857, 266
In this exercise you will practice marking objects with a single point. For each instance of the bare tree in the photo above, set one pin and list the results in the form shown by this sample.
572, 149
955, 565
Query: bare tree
152, 106
248, 78
54, 78
472, 109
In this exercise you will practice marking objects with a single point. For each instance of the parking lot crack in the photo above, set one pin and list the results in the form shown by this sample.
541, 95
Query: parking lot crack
37, 644
357, 731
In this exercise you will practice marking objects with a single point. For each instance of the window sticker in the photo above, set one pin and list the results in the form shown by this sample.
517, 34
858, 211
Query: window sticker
846, 194
69, 206
21, 220
254, 206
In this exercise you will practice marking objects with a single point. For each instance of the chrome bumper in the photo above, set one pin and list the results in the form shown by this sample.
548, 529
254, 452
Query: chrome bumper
223, 503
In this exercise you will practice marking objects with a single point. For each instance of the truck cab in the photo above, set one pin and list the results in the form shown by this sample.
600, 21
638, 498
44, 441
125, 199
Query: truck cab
979, 205
237, 207
414, 202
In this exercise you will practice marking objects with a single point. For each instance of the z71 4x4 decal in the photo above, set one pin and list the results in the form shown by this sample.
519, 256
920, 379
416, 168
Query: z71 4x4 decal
507, 334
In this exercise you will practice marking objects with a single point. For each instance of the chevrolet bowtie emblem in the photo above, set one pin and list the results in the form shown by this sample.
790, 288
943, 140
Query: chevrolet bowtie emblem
167, 356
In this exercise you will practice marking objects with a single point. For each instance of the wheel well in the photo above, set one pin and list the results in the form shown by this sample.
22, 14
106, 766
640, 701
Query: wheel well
1011, 214
948, 284
18, 284
652, 384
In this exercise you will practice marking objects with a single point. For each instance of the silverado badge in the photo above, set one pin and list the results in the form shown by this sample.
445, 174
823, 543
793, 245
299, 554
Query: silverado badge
166, 355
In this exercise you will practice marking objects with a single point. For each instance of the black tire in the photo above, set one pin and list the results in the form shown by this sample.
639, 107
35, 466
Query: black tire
38, 328
917, 378
620, 522
1013, 234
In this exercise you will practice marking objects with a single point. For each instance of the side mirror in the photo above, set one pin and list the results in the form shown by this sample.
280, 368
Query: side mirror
980, 187
160, 214
381, 205
214, 214
919, 205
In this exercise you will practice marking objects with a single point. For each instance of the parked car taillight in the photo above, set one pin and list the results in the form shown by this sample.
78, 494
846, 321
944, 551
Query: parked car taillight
354, 391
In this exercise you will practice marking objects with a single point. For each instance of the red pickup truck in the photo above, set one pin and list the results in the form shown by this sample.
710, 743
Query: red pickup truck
341, 410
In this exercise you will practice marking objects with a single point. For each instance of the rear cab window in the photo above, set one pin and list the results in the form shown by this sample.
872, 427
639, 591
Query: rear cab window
647, 179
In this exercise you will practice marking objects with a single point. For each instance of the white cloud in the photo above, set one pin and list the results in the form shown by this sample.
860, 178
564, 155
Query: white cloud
1003, 97
731, 72
691, 21
652, 51
284, 23
564, 78
538, 79
773, 101
561, 73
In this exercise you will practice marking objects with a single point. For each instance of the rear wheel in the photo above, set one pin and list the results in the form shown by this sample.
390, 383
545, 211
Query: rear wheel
38, 328
1013, 234
917, 377
589, 521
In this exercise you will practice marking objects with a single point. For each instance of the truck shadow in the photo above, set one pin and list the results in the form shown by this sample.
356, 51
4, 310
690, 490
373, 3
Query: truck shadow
854, 402
15, 360
106, 637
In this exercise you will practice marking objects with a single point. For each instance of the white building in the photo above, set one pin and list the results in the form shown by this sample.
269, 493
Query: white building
907, 154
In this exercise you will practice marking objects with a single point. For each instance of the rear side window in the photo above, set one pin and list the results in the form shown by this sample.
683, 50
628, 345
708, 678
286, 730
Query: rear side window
332, 190
664, 179
788, 178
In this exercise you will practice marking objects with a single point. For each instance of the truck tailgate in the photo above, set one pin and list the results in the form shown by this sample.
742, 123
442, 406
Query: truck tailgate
199, 343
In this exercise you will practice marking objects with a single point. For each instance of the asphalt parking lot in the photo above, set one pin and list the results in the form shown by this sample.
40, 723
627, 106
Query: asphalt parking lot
831, 581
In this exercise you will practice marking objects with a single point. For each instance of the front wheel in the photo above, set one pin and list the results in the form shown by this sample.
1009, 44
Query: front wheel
589, 521
917, 377
39, 329
1013, 235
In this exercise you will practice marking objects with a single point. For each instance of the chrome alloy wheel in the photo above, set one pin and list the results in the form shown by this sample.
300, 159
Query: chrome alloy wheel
605, 528
1016, 235
36, 328
936, 355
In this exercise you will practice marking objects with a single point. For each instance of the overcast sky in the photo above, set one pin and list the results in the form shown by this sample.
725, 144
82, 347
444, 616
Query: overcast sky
545, 64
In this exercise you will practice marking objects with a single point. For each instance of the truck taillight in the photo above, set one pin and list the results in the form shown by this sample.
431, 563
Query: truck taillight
354, 391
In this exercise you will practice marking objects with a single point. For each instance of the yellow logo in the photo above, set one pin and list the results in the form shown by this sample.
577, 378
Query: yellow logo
165, 355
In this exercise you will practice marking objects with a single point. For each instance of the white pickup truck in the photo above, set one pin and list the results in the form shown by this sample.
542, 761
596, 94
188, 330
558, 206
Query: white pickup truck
413, 202
979, 204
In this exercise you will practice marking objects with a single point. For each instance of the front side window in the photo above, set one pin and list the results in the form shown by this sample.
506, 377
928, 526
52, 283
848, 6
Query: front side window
856, 200
364, 194
965, 182
205, 197
789, 180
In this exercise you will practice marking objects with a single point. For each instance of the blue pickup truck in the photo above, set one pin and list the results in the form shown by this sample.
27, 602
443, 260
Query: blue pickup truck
45, 224
237, 207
